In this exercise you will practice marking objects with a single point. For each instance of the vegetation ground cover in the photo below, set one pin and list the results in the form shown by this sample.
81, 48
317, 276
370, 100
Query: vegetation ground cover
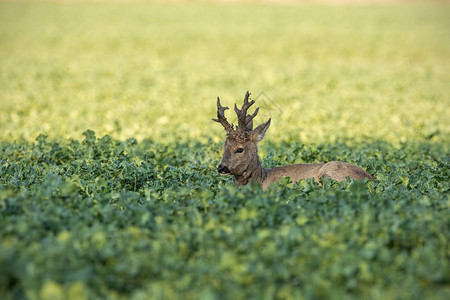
108, 186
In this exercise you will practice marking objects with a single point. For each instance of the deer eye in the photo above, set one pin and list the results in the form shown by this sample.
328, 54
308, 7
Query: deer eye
239, 150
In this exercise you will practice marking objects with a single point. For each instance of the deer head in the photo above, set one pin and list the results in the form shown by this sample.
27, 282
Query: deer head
240, 150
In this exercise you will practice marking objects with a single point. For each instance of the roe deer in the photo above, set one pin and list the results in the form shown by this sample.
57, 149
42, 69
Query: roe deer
240, 155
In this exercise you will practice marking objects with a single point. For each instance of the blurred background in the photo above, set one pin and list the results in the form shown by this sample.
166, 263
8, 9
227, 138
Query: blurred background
323, 70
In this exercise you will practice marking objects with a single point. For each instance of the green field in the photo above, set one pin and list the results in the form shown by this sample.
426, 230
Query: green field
108, 155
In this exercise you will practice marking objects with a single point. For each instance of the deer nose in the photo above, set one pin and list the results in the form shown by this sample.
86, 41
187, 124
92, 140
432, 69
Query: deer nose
223, 169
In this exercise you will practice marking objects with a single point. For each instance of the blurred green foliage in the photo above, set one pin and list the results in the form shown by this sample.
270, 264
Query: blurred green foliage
137, 210
155, 70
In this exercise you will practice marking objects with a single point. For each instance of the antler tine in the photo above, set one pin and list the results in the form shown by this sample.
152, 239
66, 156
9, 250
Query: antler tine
221, 117
252, 116
242, 113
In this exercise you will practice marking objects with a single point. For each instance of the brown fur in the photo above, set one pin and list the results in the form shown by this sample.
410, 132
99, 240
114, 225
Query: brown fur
245, 166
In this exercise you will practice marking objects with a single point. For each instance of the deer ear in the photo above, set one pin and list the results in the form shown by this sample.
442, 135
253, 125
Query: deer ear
258, 133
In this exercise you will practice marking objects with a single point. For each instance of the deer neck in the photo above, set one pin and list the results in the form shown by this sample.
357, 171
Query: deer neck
254, 172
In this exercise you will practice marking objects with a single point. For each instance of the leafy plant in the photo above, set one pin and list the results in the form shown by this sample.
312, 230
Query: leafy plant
119, 219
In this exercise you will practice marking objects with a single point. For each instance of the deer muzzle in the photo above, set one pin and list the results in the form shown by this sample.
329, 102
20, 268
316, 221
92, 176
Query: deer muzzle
223, 170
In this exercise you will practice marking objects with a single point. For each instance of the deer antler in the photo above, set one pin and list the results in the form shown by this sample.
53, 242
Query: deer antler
221, 117
243, 118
